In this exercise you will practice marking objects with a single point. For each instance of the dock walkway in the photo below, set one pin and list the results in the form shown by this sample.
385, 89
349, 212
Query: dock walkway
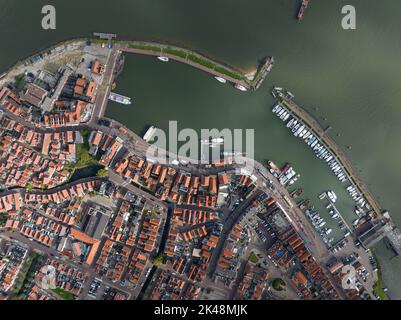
334, 149
126, 48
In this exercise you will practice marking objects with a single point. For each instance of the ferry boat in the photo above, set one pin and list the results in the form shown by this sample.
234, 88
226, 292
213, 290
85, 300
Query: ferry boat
240, 87
220, 79
119, 98
164, 59
149, 133
302, 9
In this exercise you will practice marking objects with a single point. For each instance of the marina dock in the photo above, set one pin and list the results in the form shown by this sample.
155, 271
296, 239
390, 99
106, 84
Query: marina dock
286, 100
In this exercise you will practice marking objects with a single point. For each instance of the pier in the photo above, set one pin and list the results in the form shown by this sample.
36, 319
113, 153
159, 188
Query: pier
196, 60
339, 155
184, 58
105, 36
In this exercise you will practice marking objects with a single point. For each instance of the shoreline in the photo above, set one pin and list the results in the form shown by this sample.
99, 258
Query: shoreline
194, 58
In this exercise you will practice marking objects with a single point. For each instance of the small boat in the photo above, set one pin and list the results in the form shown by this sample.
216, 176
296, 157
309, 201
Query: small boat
164, 59
332, 196
220, 79
218, 140
240, 87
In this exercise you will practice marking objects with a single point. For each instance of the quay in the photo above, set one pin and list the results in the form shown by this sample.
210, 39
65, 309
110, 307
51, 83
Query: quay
212, 69
196, 60
287, 101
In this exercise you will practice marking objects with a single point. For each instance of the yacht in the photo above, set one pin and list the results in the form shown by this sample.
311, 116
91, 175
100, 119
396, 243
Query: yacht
164, 59
220, 79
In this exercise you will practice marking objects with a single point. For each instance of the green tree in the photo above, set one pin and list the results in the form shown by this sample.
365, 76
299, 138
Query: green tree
102, 173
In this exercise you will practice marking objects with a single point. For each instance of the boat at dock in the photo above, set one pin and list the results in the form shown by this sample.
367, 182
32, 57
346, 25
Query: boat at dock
149, 133
240, 87
220, 79
296, 193
164, 59
332, 196
119, 98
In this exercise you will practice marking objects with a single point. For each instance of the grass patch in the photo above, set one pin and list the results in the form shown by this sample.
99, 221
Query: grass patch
175, 52
229, 73
253, 258
18, 80
64, 294
27, 274
102, 173
378, 285
84, 159
159, 260
144, 47
201, 61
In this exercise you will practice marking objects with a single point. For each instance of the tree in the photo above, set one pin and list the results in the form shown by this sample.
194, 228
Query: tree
102, 173
278, 284
159, 259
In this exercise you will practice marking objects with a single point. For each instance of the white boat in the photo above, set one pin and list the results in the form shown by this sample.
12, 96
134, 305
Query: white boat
149, 133
240, 87
289, 124
164, 59
119, 98
286, 117
220, 79
217, 140
275, 108
332, 196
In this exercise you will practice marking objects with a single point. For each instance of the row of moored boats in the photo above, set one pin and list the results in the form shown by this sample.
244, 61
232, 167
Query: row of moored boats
319, 224
300, 130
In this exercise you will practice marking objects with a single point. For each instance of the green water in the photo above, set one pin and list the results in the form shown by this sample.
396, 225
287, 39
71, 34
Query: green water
352, 77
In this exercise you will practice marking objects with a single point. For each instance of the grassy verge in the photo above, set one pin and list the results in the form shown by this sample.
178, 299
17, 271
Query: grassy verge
229, 73
144, 47
378, 285
201, 61
176, 52
188, 56
27, 275
83, 158
64, 294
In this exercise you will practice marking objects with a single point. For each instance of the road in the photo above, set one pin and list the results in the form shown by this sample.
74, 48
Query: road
228, 224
